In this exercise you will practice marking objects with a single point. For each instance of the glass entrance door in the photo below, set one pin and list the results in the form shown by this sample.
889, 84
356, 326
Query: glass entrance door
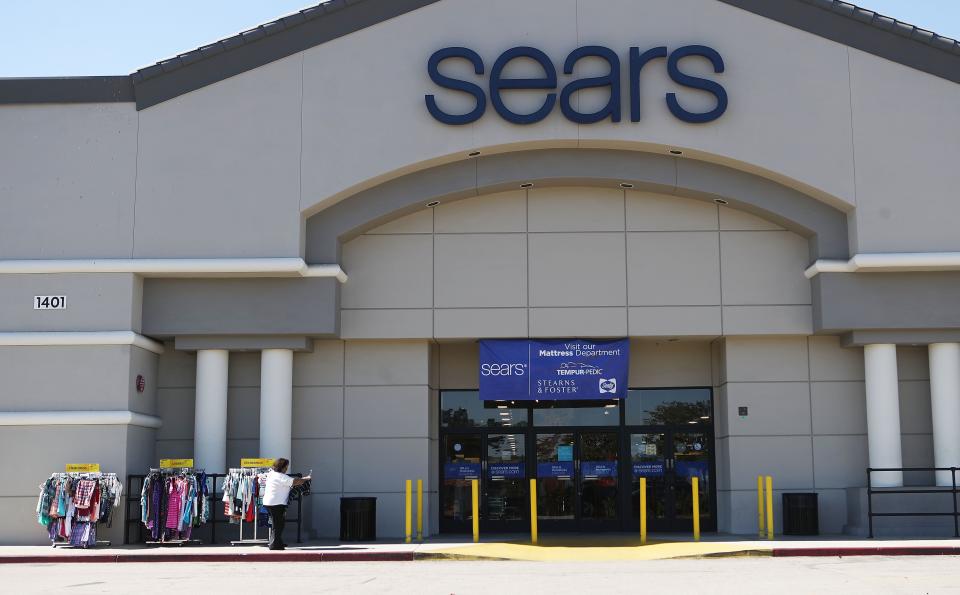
578, 480
669, 458
505, 487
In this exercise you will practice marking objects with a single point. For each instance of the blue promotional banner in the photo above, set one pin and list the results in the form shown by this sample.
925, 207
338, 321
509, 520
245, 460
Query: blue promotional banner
598, 468
521, 369
564, 452
506, 470
692, 469
461, 471
651, 469
560, 469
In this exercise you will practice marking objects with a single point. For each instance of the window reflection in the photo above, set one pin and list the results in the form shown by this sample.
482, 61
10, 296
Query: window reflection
464, 409
668, 407
576, 413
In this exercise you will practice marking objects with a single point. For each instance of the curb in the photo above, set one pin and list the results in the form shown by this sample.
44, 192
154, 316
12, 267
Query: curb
866, 551
256, 557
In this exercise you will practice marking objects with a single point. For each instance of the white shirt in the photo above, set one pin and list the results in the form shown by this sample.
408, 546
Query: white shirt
278, 489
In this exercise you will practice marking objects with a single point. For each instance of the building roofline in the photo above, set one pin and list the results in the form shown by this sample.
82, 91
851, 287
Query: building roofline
77, 89
865, 30
838, 21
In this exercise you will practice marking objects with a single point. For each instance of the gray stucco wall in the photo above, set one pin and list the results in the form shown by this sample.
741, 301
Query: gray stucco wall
806, 424
560, 262
85, 378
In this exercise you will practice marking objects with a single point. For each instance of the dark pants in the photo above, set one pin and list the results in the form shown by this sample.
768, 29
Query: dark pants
277, 516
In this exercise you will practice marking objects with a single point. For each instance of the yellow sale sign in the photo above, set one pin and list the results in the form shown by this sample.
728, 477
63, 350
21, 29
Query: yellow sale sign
175, 463
256, 462
83, 467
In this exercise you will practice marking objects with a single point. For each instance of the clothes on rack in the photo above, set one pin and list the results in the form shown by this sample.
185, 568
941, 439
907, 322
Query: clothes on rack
243, 494
173, 502
72, 504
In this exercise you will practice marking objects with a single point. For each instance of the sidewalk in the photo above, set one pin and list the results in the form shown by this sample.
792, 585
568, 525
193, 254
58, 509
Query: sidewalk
593, 547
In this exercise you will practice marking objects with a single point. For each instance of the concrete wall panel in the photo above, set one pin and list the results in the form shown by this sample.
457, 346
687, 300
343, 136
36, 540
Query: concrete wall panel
668, 321
839, 407
386, 412
67, 179
576, 209
657, 212
467, 323
673, 269
386, 324
480, 271
775, 408
229, 155
318, 412
61, 378
94, 302
766, 359
388, 272
578, 322
321, 367
500, 212
595, 261
764, 267
387, 363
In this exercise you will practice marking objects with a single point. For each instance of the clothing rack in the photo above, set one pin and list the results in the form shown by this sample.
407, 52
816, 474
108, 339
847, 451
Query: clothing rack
161, 533
134, 531
253, 472
97, 476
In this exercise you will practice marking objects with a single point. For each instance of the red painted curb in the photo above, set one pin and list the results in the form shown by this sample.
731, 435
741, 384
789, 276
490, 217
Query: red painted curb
865, 551
256, 557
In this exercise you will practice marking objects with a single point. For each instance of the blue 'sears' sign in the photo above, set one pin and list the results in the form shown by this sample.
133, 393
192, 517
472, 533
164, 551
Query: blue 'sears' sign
521, 369
500, 84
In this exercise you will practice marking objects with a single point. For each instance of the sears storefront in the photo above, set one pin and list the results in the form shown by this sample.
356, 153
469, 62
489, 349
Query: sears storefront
579, 242
560, 412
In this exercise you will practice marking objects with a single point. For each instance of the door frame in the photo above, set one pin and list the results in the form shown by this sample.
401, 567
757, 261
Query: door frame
625, 522
670, 524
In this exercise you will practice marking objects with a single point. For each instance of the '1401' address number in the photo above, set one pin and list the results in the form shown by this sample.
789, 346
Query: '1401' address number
49, 302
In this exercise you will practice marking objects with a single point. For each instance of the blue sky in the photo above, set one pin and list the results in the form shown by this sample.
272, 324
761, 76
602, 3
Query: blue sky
93, 37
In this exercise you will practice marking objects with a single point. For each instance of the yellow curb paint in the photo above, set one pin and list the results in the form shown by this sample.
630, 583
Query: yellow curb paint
653, 551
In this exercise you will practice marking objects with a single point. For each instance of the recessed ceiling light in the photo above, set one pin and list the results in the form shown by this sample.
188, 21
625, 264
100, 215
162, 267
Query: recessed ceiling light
527, 185
720, 201
433, 203
626, 185
473, 154
676, 152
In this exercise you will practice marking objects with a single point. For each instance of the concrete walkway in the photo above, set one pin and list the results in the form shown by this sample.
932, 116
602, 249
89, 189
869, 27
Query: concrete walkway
604, 547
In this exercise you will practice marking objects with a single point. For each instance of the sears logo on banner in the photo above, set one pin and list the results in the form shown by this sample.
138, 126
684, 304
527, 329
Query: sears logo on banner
521, 369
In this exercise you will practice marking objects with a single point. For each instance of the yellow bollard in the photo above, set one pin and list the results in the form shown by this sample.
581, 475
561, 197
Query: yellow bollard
695, 486
760, 514
475, 489
643, 511
407, 530
419, 510
769, 507
533, 511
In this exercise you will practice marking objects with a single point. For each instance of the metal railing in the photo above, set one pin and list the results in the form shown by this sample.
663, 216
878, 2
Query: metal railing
951, 489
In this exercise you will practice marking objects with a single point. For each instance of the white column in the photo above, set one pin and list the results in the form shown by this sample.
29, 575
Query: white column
210, 413
276, 403
945, 407
883, 413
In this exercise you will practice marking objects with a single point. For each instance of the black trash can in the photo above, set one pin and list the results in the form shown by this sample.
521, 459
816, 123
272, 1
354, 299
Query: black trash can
801, 515
358, 519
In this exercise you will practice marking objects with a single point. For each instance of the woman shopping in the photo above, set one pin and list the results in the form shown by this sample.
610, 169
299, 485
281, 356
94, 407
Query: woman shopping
275, 499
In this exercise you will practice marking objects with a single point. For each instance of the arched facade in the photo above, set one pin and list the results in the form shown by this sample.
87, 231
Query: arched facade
327, 216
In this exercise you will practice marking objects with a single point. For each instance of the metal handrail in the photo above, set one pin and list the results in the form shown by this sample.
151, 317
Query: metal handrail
952, 490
